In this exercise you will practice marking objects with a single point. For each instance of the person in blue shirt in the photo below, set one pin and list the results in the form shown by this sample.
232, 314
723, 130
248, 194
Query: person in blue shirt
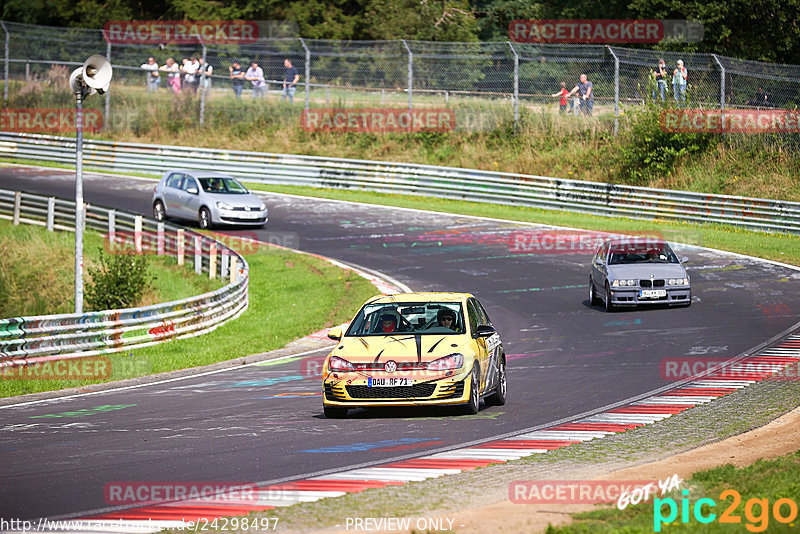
290, 79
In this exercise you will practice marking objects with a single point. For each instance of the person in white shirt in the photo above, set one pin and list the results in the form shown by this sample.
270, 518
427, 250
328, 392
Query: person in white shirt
189, 70
152, 77
256, 75
204, 73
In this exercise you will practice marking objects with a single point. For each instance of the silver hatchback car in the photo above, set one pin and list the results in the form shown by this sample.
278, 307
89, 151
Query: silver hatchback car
207, 197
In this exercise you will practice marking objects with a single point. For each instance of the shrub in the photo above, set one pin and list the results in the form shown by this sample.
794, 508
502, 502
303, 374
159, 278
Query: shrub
119, 282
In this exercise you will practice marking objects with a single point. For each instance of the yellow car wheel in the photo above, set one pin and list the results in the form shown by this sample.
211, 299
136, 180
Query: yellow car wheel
472, 406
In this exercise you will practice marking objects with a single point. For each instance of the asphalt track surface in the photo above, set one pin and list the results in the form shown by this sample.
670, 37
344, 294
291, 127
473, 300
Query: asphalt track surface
264, 423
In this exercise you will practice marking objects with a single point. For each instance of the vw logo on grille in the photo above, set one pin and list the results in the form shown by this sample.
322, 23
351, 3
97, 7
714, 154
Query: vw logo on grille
390, 367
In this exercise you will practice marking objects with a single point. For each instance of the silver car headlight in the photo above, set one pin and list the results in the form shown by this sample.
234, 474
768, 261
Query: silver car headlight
263, 206
224, 206
623, 283
678, 282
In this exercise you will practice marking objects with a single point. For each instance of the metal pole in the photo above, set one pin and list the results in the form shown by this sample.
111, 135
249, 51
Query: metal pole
721, 90
107, 95
203, 87
5, 68
79, 202
516, 84
410, 74
308, 69
616, 90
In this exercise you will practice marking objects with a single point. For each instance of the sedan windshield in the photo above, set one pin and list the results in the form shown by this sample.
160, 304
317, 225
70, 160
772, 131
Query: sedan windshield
222, 185
650, 253
408, 317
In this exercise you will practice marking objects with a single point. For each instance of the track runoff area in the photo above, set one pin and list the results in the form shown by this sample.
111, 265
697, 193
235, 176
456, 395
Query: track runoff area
570, 370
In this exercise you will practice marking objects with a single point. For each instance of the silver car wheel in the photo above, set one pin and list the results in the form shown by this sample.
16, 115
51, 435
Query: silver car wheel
205, 219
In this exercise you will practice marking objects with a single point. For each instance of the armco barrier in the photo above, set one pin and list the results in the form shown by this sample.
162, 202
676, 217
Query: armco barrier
25, 340
405, 178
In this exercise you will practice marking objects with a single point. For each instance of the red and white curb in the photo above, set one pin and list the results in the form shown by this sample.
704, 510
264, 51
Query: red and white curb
640, 413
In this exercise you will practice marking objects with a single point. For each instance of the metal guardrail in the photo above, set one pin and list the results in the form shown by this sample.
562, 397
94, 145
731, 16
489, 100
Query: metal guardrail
413, 179
26, 340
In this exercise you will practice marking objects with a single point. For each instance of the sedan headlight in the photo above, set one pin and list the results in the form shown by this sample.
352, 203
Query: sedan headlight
453, 361
263, 206
339, 364
621, 283
678, 281
224, 206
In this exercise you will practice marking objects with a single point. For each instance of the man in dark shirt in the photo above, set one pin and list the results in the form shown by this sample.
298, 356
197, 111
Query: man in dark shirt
660, 75
237, 78
585, 89
290, 79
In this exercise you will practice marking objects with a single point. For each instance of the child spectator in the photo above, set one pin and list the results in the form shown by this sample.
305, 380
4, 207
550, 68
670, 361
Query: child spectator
562, 103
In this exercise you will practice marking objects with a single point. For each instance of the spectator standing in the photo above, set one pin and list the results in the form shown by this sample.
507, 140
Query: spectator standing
585, 90
237, 78
679, 77
256, 75
761, 99
204, 73
562, 103
290, 79
660, 75
189, 70
152, 77
173, 75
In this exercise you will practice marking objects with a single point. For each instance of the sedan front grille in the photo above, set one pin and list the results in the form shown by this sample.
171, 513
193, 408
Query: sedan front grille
651, 283
398, 392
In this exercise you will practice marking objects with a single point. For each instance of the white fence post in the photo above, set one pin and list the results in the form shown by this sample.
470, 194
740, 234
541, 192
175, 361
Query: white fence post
112, 227
226, 259
212, 261
137, 234
160, 237
17, 203
198, 255
234, 268
51, 213
180, 243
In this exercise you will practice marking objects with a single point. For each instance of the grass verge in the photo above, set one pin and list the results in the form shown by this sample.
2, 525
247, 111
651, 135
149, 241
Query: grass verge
290, 295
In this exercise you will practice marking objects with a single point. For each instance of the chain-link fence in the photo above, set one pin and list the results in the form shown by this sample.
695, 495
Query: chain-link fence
485, 83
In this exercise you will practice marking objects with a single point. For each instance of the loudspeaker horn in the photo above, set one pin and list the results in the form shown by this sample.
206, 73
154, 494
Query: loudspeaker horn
97, 73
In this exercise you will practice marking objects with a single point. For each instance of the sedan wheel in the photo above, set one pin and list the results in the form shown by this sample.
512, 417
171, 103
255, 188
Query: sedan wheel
594, 300
159, 213
609, 306
472, 406
205, 219
498, 398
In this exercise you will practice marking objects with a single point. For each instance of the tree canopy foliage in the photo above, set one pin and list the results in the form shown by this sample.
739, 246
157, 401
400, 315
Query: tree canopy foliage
765, 30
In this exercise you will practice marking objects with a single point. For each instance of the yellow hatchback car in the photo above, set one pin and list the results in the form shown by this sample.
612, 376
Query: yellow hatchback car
415, 349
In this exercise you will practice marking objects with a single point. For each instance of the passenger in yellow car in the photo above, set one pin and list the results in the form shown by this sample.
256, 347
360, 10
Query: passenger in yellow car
388, 324
447, 319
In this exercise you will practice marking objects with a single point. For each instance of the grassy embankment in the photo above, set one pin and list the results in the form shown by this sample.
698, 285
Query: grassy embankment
290, 296
758, 165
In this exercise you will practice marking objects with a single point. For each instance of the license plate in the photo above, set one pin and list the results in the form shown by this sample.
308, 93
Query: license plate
652, 293
251, 215
389, 382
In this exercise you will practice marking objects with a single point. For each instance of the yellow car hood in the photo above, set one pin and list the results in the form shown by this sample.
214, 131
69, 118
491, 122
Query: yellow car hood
400, 348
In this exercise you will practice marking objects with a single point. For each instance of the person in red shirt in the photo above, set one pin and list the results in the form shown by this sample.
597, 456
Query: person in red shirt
562, 104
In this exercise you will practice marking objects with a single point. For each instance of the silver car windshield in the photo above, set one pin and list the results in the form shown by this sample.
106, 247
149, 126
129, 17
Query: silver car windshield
222, 185
408, 317
649, 253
